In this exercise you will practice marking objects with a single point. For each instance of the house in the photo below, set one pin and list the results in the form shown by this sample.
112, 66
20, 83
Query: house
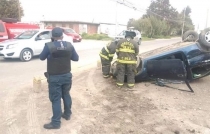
88, 27
78, 26
111, 29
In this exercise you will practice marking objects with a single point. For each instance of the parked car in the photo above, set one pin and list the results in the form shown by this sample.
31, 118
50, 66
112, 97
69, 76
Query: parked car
70, 32
185, 61
27, 44
137, 38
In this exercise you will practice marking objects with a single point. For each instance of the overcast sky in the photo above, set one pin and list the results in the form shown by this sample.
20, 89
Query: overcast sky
104, 10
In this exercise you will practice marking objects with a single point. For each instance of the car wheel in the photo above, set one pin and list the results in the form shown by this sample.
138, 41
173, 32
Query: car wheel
26, 55
190, 36
139, 42
204, 38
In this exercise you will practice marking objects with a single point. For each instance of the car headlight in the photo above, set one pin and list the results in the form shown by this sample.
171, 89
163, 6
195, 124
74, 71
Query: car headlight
10, 46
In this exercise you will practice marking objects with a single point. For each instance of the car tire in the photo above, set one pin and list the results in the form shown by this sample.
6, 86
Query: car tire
204, 37
26, 55
190, 36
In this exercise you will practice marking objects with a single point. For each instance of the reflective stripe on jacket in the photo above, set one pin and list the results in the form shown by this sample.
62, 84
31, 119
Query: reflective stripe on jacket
127, 50
108, 51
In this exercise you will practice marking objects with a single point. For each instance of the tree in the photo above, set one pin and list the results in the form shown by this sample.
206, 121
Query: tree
161, 9
188, 21
11, 9
188, 11
131, 23
161, 19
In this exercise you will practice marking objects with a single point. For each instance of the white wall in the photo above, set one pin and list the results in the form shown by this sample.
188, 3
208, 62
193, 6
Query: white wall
111, 29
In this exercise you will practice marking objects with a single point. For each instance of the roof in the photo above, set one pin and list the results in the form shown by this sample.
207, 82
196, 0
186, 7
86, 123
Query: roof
81, 22
113, 24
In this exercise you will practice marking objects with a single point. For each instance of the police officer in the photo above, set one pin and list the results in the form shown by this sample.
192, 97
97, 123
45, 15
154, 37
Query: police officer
127, 50
59, 55
107, 54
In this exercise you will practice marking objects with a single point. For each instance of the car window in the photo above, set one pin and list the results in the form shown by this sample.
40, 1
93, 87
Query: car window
136, 33
122, 33
2, 29
69, 31
44, 35
26, 34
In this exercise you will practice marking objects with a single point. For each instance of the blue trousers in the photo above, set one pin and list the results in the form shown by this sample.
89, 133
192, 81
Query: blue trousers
59, 87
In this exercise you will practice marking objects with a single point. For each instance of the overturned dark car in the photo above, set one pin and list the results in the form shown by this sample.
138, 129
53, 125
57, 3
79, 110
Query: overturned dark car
185, 61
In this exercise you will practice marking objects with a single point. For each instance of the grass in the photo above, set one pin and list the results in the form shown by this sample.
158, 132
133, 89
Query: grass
147, 39
162, 37
96, 36
105, 37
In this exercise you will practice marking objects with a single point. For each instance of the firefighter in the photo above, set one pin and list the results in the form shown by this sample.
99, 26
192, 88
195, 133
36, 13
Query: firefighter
127, 50
107, 54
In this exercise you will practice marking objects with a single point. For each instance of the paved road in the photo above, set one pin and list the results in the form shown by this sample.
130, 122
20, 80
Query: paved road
14, 73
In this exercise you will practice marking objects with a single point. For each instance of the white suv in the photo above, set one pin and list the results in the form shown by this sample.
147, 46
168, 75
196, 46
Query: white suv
137, 38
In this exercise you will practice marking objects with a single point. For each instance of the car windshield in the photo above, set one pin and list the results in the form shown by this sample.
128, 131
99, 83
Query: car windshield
27, 34
69, 31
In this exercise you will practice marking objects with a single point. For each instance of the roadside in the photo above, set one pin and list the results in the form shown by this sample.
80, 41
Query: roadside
101, 108
98, 106
104, 37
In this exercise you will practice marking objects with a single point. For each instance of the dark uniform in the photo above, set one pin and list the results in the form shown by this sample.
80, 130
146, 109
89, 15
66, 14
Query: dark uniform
107, 54
59, 55
127, 50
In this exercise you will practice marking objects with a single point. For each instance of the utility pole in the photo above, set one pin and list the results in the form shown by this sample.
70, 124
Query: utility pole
19, 16
116, 22
183, 21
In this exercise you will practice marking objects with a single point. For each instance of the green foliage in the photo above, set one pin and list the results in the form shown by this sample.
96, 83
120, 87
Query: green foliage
162, 8
188, 21
145, 38
95, 36
9, 9
162, 20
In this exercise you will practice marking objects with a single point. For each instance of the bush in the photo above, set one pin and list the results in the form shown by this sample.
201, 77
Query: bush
96, 36
161, 37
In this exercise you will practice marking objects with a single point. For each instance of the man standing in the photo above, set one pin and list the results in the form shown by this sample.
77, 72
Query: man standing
107, 54
127, 50
59, 55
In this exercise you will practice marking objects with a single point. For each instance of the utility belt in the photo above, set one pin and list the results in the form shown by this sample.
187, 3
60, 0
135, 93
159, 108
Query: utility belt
47, 75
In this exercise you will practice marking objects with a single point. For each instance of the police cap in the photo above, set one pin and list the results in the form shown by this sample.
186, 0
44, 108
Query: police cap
57, 32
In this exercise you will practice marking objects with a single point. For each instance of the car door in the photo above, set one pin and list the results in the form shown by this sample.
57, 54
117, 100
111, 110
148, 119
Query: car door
173, 69
3, 32
136, 38
40, 40
121, 35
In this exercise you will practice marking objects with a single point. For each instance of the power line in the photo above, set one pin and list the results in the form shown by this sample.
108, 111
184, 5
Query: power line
130, 5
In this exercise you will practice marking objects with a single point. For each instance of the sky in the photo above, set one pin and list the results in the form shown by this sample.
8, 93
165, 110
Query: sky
106, 11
